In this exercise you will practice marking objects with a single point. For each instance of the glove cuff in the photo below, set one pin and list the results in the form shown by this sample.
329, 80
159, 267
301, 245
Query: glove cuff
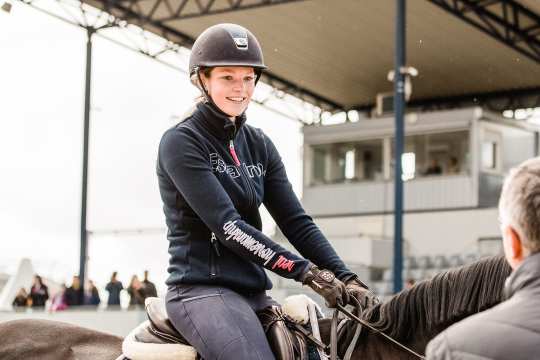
309, 275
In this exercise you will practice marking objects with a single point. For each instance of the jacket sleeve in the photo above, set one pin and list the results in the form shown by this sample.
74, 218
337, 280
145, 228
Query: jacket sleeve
296, 225
439, 349
187, 164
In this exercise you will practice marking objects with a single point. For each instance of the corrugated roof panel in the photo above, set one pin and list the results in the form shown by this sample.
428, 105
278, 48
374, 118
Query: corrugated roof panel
343, 49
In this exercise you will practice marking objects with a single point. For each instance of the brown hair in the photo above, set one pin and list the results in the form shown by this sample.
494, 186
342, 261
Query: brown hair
519, 203
206, 71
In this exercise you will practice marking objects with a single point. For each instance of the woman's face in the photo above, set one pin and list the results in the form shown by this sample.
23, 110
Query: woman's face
231, 88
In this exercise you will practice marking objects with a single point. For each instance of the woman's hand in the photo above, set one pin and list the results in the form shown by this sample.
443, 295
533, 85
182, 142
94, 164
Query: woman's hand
358, 290
324, 283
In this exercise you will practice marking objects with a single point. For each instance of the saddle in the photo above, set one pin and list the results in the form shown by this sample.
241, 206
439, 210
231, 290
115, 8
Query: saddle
157, 339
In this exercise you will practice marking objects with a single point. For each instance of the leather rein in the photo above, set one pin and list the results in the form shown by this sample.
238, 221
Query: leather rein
360, 322
350, 348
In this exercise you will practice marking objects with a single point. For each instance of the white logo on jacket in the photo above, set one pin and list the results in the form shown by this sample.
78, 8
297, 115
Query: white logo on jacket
234, 232
218, 165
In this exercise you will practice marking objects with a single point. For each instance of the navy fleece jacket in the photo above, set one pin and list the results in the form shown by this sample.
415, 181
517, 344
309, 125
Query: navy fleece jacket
213, 175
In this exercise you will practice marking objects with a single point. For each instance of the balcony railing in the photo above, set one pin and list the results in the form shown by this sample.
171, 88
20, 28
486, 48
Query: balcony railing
427, 193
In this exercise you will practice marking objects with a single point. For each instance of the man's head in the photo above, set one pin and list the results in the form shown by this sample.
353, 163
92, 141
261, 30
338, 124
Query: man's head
409, 283
519, 212
76, 282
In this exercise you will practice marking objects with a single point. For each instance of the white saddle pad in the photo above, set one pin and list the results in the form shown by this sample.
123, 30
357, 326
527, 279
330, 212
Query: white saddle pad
144, 351
296, 306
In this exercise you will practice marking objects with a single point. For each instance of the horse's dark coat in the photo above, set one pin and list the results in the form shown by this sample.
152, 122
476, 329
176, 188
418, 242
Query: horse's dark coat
413, 317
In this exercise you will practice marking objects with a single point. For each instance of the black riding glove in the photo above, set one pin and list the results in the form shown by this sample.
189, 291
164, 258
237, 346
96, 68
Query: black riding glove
358, 290
324, 283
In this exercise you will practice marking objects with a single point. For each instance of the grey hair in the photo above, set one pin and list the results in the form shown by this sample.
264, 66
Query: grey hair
519, 204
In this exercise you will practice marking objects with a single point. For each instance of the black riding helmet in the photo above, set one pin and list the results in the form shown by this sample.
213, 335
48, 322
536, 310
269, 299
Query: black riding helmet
226, 45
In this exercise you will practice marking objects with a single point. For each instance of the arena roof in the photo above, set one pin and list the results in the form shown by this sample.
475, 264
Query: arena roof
337, 54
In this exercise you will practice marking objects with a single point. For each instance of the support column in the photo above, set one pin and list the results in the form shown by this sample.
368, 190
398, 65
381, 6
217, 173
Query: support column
84, 241
399, 106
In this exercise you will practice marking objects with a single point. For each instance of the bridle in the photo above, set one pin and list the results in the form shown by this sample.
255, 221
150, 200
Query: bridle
314, 337
360, 322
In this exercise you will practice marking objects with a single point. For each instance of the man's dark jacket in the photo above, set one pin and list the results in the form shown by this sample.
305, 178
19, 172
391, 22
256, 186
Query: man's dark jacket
509, 331
213, 176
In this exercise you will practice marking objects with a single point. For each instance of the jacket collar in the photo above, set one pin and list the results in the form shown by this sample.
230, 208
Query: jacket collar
526, 275
217, 122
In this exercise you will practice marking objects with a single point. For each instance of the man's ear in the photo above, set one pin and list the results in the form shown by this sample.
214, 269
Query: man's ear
514, 250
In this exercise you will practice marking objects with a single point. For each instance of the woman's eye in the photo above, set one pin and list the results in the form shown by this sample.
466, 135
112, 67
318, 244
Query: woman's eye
228, 77
249, 78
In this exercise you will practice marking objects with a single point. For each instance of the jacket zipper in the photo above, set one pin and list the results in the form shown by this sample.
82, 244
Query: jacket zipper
233, 152
214, 251
250, 189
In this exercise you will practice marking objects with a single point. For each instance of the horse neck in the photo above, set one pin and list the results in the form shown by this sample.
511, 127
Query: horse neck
416, 316
371, 345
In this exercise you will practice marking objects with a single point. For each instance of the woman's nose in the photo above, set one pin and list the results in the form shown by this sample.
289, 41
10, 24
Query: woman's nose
238, 85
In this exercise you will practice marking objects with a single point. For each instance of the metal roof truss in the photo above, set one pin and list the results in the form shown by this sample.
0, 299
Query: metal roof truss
504, 20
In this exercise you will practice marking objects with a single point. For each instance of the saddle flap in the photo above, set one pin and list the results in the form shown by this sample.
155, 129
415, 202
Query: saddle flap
285, 344
161, 325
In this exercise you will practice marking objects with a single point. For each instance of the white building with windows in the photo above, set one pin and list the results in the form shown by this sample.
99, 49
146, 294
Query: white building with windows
454, 164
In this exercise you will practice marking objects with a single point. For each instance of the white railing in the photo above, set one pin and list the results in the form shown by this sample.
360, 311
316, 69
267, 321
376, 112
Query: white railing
116, 322
427, 193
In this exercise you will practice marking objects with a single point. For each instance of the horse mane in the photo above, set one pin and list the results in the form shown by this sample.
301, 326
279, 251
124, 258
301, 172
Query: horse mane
432, 305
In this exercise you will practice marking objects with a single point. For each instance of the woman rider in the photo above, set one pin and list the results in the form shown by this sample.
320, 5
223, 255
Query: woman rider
214, 172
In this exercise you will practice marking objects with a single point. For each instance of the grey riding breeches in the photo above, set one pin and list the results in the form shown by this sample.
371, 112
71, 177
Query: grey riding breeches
219, 322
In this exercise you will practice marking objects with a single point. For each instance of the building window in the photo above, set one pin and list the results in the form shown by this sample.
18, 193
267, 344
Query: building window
319, 158
434, 154
347, 162
489, 155
408, 166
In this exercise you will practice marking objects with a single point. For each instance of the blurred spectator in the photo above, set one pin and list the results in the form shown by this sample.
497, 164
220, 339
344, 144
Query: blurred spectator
91, 294
72, 294
149, 287
58, 302
453, 166
409, 283
136, 292
114, 287
21, 300
434, 168
39, 293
